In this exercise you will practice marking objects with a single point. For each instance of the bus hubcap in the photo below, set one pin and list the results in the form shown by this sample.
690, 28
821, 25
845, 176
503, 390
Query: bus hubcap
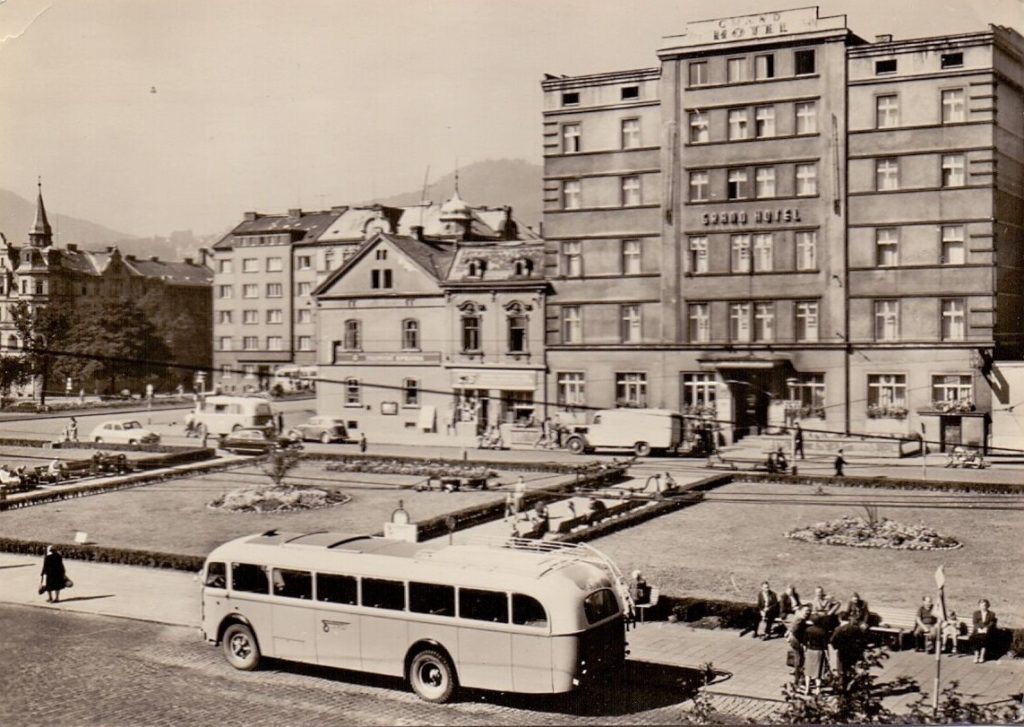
431, 675
240, 647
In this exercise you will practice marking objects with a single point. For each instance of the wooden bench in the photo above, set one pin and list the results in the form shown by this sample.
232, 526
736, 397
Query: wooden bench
896, 624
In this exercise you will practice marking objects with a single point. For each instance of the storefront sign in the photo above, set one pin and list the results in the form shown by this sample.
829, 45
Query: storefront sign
385, 358
389, 408
755, 217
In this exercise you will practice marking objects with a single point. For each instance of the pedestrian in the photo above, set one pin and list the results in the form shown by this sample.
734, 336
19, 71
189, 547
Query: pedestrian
509, 506
796, 636
798, 441
817, 638
848, 642
73, 430
840, 461
280, 423
53, 577
362, 442
518, 495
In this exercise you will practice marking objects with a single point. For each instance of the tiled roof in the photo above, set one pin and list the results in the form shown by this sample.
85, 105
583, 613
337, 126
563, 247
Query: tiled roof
435, 258
499, 259
176, 273
311, 224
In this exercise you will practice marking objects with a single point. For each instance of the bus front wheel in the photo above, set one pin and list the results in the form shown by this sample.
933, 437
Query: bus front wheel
576, 445
432, 676
240, 647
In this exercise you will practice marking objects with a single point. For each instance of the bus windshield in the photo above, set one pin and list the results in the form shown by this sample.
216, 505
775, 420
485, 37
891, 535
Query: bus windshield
599, 605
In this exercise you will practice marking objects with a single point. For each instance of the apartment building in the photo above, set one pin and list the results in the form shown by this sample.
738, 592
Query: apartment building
839, 229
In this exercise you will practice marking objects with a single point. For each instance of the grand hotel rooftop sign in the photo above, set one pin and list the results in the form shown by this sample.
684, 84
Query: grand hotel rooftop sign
754, 27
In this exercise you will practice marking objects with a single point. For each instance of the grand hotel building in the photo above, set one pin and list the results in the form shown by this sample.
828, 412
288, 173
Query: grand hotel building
785, 216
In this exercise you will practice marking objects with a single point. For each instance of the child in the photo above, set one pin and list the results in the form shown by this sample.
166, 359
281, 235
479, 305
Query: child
951, 629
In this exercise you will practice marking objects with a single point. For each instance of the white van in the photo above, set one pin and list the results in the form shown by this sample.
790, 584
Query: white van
224, 414
641, 430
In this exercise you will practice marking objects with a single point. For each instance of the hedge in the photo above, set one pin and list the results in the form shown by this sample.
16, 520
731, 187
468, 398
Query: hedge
988, 488
103, 554
584, 469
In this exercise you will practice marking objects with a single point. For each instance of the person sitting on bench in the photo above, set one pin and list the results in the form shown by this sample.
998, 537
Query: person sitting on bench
926, 625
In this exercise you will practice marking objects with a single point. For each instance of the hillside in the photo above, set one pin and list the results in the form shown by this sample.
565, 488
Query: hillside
494, 182
18, 213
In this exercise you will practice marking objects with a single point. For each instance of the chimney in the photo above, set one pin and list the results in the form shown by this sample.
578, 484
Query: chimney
296, 213
130, 258
884, 38
189, 261
417, 232
250, 216
204, 254
72, 247
110, 248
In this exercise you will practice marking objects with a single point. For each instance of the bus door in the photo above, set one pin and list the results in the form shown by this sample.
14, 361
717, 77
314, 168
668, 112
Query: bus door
294, 618
531, 645
336, 629
485, 647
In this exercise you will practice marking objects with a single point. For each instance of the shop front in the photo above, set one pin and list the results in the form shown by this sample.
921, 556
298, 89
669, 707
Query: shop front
490, 399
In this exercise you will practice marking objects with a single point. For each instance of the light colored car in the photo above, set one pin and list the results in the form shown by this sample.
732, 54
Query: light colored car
322, 429
125, 431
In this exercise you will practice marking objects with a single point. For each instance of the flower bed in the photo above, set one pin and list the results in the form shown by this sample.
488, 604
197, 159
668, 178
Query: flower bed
406, 467
857, 532
277, 498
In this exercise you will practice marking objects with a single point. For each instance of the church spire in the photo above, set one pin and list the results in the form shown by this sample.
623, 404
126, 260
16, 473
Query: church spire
41, 234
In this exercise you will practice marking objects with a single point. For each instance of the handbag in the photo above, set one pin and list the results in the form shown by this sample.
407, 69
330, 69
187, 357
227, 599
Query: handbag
791, 659
68, 583
42, 589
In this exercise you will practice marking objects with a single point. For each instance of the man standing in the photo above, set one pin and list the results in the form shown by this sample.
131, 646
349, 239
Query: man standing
798, 441
768, 609
73, 430
848, 642
362, 442
840, 462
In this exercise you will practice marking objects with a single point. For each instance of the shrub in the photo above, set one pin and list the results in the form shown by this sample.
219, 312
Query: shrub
1017, 642
102, 554
731, 615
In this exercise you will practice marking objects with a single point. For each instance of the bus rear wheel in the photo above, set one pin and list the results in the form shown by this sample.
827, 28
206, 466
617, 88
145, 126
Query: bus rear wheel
240, 647
432, 676
576, 445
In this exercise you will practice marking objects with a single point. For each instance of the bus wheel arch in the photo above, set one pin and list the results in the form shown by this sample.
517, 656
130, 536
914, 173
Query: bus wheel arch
239, 643
430, 671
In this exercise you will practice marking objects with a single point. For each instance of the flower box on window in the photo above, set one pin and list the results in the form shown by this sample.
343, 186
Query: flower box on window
953, 406
700, 410
887, 411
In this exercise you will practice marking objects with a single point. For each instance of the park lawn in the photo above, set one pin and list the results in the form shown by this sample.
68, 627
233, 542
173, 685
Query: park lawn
725, 549
172, 516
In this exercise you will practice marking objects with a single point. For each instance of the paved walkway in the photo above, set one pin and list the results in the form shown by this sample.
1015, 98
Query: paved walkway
755, 670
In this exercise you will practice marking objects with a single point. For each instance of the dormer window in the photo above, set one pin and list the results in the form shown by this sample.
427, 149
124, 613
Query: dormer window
475, 268
522, 267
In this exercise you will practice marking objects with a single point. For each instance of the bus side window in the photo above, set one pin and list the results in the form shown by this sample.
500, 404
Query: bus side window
249, 578
431, 598
216, 576
527, 611
380, 593
483, 605
293, 583
336, 589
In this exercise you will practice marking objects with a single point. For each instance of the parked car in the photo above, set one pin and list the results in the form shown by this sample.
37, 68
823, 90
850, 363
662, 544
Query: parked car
641, 430
254, 440
125, 431
322, 429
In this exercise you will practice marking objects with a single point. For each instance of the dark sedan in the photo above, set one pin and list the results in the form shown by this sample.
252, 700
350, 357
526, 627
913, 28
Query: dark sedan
254, 441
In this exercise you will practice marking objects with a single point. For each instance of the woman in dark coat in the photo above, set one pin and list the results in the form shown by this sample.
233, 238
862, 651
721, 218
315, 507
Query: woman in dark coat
53, 575
984, 623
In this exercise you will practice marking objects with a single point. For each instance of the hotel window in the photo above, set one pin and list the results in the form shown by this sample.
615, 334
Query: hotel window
952, 387
764, 67
736, 184
806, 180
764, 182
250, 265
807, 117
951, 60
698, 73
803, 62
275, 315
225, 371
304, 262
629, 92
954, 109
571, 98
954, 322
887, 390
517, 327
631, 252
303, 315
304, 343
225, 266
571, 141
353, 392
353, 335
380, 279
887, 66
630, 133
470, 331
410, 392
274, 343
806, 250
698, 187
304, 288
572, 388
630, 323
887, 247
699, 390
572, 324
764, 121
250, 290
764, 322
631, 389
953, 170
737, 124
225, 316
887, 111
274, 265
630, 191
250, 317
953, 252
740, 253
763, 246
739, 322
887, 320
700, 323
736, 70
224, 343
250, 343
572, 259
274, 290
410, 334
699, 127
571, 195
223, 291
887, 174
806, 320
698, 255
809, 390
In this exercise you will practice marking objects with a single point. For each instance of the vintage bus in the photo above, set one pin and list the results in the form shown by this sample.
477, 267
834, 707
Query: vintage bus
219, 414
511, 615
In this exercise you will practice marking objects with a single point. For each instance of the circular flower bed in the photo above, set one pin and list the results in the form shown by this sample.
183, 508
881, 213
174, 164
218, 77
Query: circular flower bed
277, 498
857, 532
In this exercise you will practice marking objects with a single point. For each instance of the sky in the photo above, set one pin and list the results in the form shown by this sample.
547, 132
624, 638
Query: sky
149, 116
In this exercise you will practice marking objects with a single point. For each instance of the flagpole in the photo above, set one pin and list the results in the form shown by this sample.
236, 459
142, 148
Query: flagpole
940, 581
